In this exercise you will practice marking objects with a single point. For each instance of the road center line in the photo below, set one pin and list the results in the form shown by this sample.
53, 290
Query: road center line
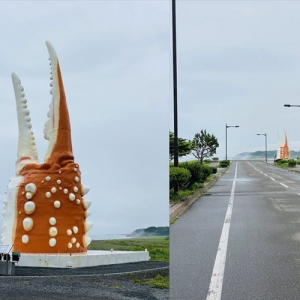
283, 184
216, 282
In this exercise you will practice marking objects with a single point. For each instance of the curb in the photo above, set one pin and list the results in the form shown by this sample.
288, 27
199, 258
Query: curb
181, 207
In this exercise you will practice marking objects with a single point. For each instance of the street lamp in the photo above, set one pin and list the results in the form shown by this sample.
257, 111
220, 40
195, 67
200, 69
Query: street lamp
176, 150
227, 126
265, 134
291, 105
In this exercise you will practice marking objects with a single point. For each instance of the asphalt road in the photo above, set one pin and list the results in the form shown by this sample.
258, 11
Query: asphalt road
114, 282
253, 252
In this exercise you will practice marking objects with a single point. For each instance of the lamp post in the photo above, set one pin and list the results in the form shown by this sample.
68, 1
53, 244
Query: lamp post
291, 105
175, 83
227, 126
265, 134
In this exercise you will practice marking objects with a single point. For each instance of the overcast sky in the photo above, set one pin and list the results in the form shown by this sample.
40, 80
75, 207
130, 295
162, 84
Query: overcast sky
239, 63
114, 58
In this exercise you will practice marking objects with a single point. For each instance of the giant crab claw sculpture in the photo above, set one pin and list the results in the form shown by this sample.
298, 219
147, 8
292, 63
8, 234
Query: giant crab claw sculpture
45, 211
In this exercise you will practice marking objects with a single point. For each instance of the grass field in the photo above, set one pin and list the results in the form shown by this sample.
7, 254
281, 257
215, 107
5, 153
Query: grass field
158, 247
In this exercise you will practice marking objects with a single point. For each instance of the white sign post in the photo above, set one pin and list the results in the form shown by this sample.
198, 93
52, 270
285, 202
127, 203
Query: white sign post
5, 249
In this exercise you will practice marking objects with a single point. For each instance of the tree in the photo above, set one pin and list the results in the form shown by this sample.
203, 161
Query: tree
204, 145
184, 146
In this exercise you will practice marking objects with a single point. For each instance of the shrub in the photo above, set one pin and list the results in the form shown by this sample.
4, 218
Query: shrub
207, 170
215, 158
279, 161
199, 172
291, 163
298, 161
224, 163
195, 168
214, 170
207, 161
179, 176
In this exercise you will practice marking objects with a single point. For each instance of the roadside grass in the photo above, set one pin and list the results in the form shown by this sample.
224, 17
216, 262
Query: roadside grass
182, 195
158, 247
159, 282
210, 177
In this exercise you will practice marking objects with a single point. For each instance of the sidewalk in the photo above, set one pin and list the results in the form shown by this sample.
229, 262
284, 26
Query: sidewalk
177, 208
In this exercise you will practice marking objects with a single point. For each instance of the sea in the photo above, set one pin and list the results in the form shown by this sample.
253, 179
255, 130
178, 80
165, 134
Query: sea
113, 236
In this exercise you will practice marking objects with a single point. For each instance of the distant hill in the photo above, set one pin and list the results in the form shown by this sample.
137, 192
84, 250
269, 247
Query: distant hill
261, 155
150, 231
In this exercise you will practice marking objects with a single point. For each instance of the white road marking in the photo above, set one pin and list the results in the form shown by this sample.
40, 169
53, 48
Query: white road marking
283, 184
272, 179
216, 282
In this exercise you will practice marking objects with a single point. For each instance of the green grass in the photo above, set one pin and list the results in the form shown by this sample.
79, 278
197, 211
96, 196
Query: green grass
159, 282
183, 194
158, 247
210, 177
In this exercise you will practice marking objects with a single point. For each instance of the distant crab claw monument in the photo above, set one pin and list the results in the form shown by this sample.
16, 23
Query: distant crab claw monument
45, 210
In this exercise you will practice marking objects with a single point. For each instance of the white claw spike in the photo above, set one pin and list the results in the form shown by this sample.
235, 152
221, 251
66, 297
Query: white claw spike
86, 240
27, 151
86, 203
3, 213
84, 189
88, 226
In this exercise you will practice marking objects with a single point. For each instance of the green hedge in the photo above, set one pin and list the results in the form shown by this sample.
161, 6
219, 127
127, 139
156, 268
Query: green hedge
224, 163
199, 172
291, 163
179, 176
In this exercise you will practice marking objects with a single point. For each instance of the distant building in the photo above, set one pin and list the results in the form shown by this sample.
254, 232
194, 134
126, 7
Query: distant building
283, 150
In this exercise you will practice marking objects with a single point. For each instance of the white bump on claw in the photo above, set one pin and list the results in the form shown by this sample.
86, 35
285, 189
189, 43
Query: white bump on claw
25, 239
56, 204
76, 179
53, 190
27, 224
48, 178
71, 196
77, 245
29, 195
52, 221
73, 240
75, 229
29, 207
30, 187
75, 189
48, 195
53, 231
66, 191
78, 201
69, 232
52, 242
58, 181
70, 245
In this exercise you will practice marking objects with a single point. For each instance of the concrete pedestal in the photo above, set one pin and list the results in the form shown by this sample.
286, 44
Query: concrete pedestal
89, 259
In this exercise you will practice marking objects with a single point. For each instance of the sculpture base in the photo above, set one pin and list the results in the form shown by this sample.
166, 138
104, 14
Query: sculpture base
90, 259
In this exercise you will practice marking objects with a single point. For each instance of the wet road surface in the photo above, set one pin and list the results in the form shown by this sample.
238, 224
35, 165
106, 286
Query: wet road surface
242, 239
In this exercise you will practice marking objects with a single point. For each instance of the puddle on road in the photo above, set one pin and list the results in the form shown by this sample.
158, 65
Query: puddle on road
245, 179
